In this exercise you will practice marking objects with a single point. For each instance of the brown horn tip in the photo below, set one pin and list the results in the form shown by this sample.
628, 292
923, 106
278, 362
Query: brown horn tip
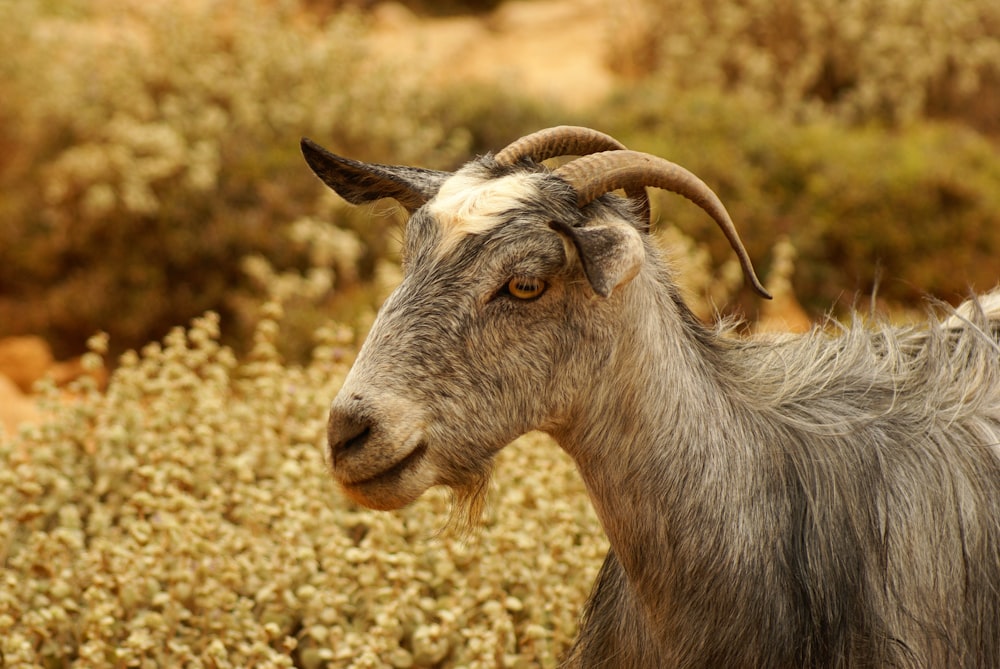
594, 175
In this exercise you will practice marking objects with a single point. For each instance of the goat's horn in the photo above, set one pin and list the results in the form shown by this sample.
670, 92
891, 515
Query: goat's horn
563, 140
594, 175
568, 140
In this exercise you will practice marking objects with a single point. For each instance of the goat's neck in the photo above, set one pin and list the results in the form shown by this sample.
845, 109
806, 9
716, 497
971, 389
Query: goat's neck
646, 442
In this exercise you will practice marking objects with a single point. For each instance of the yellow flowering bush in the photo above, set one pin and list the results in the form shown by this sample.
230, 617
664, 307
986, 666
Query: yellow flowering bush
185, 517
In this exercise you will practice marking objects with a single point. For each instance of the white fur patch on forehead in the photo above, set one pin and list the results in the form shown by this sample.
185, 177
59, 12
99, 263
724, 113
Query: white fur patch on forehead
468, 204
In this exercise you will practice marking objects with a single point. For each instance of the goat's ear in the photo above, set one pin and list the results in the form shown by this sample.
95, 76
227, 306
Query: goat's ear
611, 253
359, 182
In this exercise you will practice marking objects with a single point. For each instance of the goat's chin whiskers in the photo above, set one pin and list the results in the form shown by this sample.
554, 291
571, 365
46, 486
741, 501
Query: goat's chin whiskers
468, 503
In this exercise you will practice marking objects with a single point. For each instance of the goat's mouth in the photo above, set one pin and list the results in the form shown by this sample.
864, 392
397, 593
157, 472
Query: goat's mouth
391, 474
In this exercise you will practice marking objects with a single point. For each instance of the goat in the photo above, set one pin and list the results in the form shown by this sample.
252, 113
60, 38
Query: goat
823, 500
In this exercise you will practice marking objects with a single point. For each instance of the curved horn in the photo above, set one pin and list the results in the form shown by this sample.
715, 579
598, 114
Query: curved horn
568, 140
562, 140
594, 175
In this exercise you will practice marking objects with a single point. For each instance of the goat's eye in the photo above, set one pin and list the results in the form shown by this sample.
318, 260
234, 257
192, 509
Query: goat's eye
525, 288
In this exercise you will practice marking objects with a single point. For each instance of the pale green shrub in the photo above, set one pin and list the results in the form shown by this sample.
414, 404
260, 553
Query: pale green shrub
185, 518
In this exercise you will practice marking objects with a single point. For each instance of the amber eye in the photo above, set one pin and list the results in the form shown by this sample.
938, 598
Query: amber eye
525, 288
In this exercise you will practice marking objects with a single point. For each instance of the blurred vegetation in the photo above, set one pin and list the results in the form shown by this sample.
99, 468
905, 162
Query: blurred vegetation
866, 131
859, 61
150, 147
908, 212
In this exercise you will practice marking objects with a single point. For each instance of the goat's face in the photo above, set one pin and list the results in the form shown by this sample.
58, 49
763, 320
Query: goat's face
472, 349
508, 274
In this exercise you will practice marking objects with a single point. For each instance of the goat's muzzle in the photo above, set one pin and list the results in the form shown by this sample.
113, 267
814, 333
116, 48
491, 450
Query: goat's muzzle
379, 463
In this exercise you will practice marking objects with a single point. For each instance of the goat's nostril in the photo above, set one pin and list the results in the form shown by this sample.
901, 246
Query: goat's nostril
346, 433
357, 441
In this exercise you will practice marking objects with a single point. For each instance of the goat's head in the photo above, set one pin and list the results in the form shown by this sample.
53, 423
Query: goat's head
510, 270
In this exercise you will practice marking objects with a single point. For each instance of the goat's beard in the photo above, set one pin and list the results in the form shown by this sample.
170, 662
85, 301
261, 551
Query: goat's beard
468, 501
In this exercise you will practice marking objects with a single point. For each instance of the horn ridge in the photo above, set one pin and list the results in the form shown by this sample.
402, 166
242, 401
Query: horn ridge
594, 175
